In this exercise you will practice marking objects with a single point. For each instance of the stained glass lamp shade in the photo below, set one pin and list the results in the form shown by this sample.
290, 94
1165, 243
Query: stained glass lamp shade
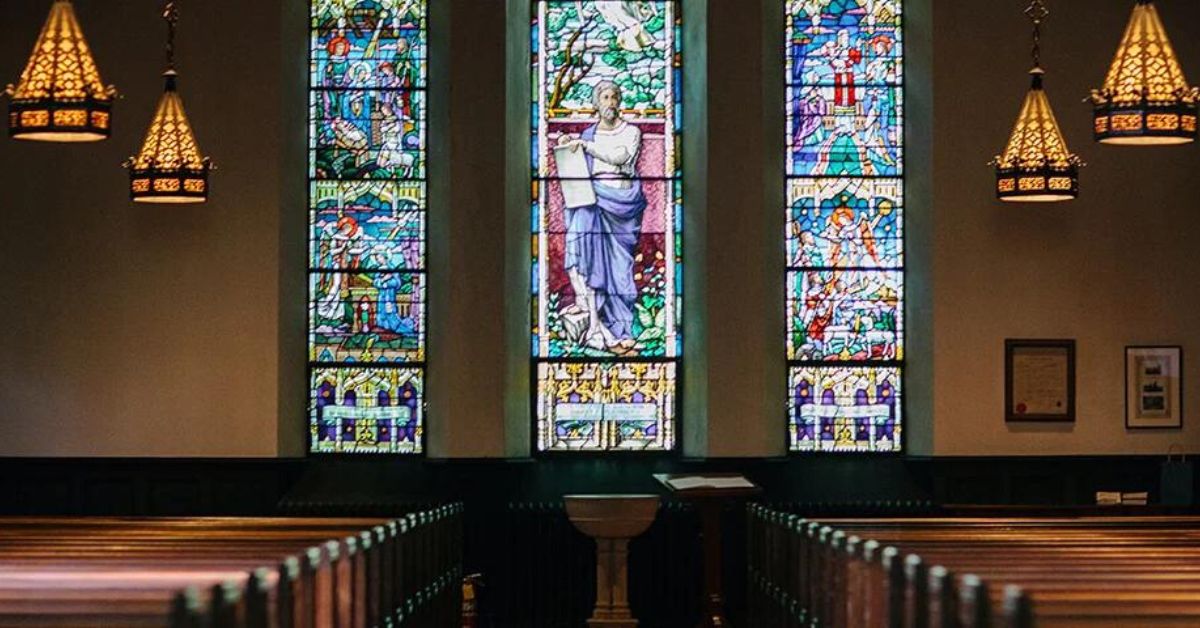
60, 97
169, 168
1145, 99
1036, 166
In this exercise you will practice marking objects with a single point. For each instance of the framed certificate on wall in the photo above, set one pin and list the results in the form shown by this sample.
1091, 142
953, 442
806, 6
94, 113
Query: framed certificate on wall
1153, 388
1039, 380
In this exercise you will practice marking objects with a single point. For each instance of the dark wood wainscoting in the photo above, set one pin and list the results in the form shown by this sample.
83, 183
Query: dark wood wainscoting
538, 571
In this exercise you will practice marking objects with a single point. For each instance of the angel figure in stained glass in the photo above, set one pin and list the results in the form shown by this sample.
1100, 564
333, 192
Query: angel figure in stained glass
342, 247
852, 237
627, 18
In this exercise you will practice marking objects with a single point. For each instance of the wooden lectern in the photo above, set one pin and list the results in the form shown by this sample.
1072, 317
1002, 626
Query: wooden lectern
709, 493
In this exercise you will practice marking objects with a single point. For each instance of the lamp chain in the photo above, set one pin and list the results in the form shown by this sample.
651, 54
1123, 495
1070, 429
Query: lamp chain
1037, 13
171, 15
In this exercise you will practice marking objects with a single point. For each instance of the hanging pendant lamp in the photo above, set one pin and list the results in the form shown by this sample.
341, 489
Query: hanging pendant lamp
1036, 166
60, 97
169, 168
1145, 99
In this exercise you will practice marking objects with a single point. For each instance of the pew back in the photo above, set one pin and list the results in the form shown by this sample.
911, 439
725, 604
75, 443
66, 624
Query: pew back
232, 572
973, 572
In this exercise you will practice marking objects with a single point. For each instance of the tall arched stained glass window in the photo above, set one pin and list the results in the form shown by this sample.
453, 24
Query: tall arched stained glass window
607, 233
366, 311
845, 219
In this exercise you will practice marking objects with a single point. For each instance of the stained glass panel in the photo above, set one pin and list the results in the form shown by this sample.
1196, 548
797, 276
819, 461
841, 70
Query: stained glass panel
606, 216
845, 409
652, 319
367, 410
603, 406
847, 43
357, 41
367, 317
845, 316
845, 223
367, 223
862, 138
882, 15
368, 134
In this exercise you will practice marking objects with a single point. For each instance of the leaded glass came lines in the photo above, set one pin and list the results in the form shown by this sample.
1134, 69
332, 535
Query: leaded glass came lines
845, 224
367, 225
606, 223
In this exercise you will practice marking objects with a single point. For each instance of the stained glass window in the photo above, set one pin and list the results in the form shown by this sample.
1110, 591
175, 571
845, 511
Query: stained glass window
367, 201
845, 224
606, 223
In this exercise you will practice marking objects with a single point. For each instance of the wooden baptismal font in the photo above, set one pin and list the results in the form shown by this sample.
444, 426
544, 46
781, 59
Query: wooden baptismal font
612, 520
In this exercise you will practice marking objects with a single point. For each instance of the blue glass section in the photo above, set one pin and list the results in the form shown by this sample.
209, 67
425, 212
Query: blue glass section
845, 223
367, 226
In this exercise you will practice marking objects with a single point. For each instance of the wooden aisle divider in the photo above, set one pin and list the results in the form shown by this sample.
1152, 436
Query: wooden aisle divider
972, 573
233, 572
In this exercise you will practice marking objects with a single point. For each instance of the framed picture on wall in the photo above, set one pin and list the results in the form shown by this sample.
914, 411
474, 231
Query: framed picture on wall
1153, 388
1039, 380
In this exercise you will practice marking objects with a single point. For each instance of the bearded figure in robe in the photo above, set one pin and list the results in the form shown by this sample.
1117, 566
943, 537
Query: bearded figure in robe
602, 237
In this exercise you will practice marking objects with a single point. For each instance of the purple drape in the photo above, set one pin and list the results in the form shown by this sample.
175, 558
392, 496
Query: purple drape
601, 244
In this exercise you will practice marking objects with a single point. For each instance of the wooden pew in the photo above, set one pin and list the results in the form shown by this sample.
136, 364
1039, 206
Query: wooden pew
1045, 572
1073, 575
303, 573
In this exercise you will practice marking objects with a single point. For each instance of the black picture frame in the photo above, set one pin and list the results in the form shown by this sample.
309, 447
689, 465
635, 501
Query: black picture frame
1178, 396
1013, 347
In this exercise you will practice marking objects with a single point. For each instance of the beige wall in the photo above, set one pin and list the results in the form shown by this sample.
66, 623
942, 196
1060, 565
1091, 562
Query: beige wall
144, 330
1115, 268
745, 358
467, 248
148, 331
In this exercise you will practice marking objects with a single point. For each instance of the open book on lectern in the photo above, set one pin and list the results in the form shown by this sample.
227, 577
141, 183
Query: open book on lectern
688, 482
